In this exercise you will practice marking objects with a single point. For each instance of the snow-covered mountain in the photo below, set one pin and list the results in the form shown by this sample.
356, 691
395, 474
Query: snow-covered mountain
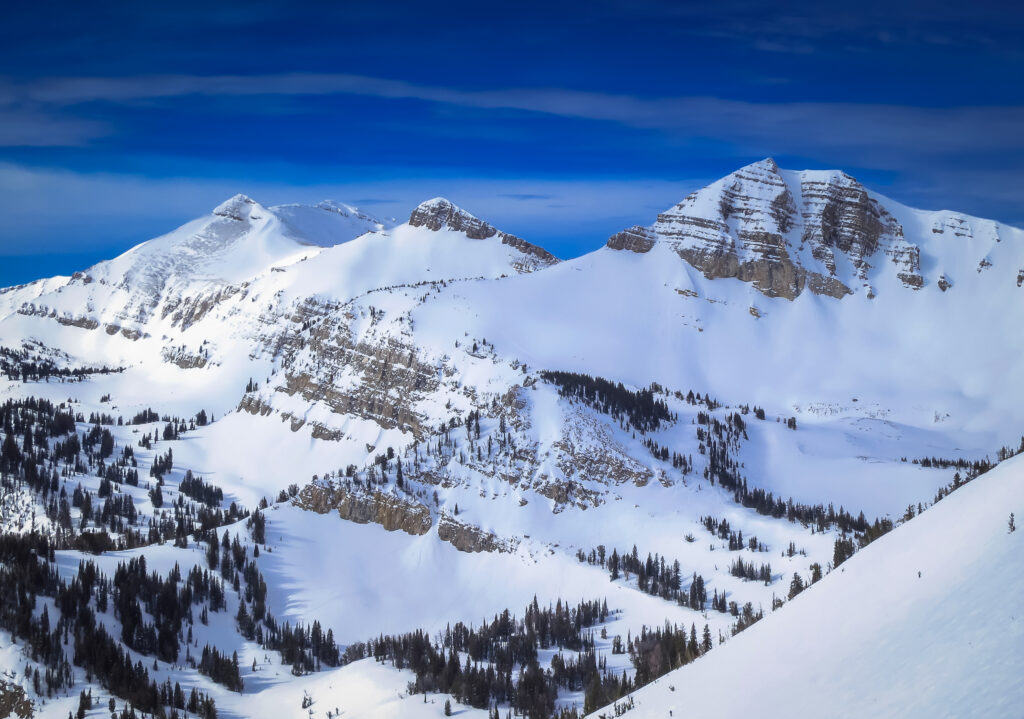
782, 363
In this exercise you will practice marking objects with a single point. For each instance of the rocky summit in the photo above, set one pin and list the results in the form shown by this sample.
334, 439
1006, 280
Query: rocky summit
784, 232
439, 213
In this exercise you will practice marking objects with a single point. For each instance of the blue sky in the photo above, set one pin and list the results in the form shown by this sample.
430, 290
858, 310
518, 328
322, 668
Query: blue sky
559, 122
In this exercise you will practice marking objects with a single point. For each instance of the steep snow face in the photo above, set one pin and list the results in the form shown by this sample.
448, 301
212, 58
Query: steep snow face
233, 244
242, 241
904, 359
237, 241
786, 231
327, 223
925, 622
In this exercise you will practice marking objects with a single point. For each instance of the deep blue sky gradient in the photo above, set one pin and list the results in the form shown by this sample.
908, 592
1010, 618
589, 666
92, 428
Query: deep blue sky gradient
560, 122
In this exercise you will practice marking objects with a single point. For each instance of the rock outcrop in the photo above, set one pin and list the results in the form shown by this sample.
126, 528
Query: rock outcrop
365, 507
635, 239
469, 538
376, 378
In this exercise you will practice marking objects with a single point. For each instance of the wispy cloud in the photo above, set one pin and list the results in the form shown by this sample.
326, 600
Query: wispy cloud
882, 134
33, 128
525, 196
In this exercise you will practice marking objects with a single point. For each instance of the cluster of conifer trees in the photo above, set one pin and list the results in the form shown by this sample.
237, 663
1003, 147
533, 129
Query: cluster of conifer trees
751, 572
721, 528
41, 446
654, 575
221, 668
28, 367
501, 664
642, 410
27, 572
306, 649
657, 577
197, 489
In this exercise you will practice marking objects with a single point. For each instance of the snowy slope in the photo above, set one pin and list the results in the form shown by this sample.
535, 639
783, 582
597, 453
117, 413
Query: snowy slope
327, 223
222, 291
170, 280
675, 326
925, 622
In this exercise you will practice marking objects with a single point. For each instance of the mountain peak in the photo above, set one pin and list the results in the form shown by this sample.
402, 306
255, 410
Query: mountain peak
435, 202
767, 164
439, 213
239, 207
754, 180
783, 232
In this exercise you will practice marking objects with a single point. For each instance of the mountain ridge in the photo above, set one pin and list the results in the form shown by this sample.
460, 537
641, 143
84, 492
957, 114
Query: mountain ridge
782, 231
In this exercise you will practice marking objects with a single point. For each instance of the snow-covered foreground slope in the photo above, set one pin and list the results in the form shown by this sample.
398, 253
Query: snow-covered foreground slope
925, 622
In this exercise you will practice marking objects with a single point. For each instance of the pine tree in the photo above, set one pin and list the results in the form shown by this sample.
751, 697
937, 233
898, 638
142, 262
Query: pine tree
796, 586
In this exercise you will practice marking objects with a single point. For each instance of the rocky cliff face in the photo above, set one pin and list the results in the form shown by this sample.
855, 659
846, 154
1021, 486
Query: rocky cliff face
783, 232
396, 513
365, 507
439, 214
468, 538
375, 376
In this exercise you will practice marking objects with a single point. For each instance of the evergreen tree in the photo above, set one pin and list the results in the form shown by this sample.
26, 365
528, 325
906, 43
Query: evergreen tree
796, 586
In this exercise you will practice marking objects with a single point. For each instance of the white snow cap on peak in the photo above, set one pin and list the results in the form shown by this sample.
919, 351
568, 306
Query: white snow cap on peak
765, 166
238, 207
439, 212
437, 202
444, 206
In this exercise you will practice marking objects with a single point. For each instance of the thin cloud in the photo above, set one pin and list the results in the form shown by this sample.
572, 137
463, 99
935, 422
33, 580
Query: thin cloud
844, 130
20, 128
524, 196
